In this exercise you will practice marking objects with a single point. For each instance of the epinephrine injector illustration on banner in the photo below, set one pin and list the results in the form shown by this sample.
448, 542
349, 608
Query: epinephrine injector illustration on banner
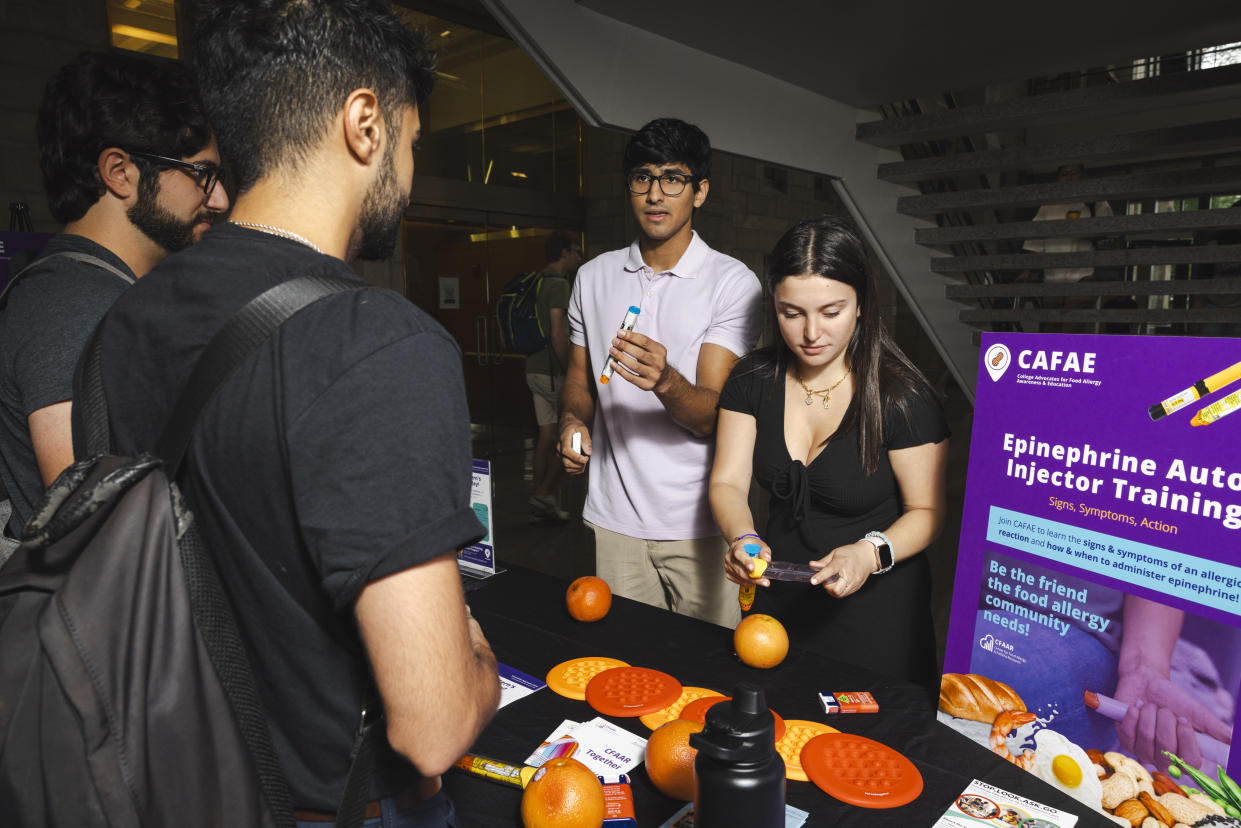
1096, 617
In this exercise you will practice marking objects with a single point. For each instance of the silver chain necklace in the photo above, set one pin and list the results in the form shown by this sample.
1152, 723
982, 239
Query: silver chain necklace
281, 232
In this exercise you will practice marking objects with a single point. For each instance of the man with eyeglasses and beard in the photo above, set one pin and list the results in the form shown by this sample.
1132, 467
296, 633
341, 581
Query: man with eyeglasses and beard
646, 429
131, 169
330, 474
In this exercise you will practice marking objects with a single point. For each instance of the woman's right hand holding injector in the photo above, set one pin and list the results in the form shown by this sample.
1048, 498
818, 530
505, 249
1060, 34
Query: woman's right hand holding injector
574, 445
738, 563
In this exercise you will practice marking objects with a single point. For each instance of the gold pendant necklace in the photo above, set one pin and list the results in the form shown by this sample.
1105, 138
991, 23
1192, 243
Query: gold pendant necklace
826, 393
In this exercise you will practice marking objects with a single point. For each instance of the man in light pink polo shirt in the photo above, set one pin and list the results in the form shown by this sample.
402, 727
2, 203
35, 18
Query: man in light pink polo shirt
647, 432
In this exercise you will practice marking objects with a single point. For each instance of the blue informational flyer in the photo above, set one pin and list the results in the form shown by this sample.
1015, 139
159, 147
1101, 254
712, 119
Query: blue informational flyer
514, 684
479, 559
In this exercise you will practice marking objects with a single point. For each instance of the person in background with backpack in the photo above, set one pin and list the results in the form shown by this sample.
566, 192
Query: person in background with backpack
330, 474
131, 169
646, 430
545, 372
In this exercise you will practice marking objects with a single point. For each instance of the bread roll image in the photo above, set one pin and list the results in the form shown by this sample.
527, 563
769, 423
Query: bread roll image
977, 698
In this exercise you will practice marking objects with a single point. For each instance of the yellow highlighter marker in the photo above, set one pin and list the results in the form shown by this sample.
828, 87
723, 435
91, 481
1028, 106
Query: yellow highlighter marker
497, 771
1220, 408
1196, 391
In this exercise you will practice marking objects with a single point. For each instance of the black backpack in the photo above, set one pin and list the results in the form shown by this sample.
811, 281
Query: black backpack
517, 313
126, 697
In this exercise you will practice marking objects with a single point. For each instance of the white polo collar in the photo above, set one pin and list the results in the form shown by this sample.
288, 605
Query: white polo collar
687, 267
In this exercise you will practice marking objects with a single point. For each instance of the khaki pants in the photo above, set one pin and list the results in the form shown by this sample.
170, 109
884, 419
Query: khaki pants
685, 576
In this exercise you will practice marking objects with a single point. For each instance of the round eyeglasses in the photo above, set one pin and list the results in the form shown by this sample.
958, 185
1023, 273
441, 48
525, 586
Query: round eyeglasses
670, 183
204, 172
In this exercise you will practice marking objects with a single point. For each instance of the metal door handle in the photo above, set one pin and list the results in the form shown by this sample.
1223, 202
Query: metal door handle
498, 356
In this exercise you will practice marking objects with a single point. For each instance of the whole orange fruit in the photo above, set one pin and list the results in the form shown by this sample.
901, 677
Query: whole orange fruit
761, 641
588, 598
670, 759
563, 793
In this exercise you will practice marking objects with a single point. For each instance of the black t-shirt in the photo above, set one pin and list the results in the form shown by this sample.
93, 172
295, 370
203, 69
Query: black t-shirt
47, 318
338, 454
832, 501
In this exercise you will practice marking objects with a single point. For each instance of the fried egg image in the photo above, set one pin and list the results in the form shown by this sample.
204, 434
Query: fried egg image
1064, 765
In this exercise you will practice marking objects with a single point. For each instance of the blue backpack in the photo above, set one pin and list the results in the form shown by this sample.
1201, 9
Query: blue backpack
517, 314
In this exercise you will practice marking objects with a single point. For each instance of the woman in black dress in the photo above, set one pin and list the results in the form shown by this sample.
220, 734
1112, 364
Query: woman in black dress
849, 441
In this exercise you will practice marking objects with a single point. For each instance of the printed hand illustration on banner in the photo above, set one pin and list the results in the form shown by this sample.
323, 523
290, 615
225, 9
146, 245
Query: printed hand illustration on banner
1161, 716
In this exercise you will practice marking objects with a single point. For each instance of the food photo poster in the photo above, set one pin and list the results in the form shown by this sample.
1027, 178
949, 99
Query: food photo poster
1096, 616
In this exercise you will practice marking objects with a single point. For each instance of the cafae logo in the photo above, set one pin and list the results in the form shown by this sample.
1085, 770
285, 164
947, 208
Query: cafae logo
997, 359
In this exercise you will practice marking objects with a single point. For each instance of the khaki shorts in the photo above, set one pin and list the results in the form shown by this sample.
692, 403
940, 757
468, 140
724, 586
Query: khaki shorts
545, 389
685, 576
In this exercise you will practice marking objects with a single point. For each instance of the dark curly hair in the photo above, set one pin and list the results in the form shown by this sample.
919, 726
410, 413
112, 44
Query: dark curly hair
274, 73
108, 99
665, 140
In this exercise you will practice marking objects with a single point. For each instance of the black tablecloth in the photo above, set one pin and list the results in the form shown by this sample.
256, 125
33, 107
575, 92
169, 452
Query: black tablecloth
524, 617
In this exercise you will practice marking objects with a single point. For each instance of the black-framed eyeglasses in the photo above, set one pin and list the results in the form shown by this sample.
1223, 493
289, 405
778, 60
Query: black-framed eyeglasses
205, 173
670, 183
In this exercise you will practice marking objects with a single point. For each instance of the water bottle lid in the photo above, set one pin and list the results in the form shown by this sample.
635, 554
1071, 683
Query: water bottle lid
741, 730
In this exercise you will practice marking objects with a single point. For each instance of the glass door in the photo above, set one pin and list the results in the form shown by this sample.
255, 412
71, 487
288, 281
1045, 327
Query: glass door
455, 270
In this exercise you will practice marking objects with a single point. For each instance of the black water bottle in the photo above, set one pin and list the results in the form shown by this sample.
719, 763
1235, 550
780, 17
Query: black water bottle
738, 776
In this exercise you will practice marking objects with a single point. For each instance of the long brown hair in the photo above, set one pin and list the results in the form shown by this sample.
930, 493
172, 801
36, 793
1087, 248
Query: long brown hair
830, 246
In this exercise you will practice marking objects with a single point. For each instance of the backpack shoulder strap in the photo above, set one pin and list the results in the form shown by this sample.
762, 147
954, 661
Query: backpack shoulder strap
232, 344
92, 433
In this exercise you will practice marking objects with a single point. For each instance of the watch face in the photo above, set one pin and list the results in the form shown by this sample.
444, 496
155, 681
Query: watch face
885, 556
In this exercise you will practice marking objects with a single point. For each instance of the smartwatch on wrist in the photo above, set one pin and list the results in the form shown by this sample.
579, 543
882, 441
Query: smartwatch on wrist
883, 548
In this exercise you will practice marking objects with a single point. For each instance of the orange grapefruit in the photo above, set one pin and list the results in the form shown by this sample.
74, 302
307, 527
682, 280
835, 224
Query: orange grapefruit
563, 793
761, 641
670, 759
588, 598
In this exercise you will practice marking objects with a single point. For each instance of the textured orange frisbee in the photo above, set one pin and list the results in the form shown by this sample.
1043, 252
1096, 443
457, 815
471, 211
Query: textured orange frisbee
696, 711
569, 678
860, 771
796, 733
673, 711
631, 691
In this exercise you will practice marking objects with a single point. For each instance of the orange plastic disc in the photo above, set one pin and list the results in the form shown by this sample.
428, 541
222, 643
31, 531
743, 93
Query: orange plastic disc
631, 691
861, 771
569, 678
696, 711
796, 733
673, 711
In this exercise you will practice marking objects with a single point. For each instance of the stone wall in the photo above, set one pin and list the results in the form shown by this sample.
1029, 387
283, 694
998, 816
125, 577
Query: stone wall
36, 37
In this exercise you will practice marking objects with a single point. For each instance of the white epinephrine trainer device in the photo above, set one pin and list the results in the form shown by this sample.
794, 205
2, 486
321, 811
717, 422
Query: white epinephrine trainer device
631, 319
576, 442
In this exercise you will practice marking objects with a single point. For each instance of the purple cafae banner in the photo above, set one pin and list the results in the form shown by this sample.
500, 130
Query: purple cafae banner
1099, 568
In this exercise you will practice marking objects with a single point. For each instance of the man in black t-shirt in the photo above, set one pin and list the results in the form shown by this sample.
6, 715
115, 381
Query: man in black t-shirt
331, 473
131, 169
